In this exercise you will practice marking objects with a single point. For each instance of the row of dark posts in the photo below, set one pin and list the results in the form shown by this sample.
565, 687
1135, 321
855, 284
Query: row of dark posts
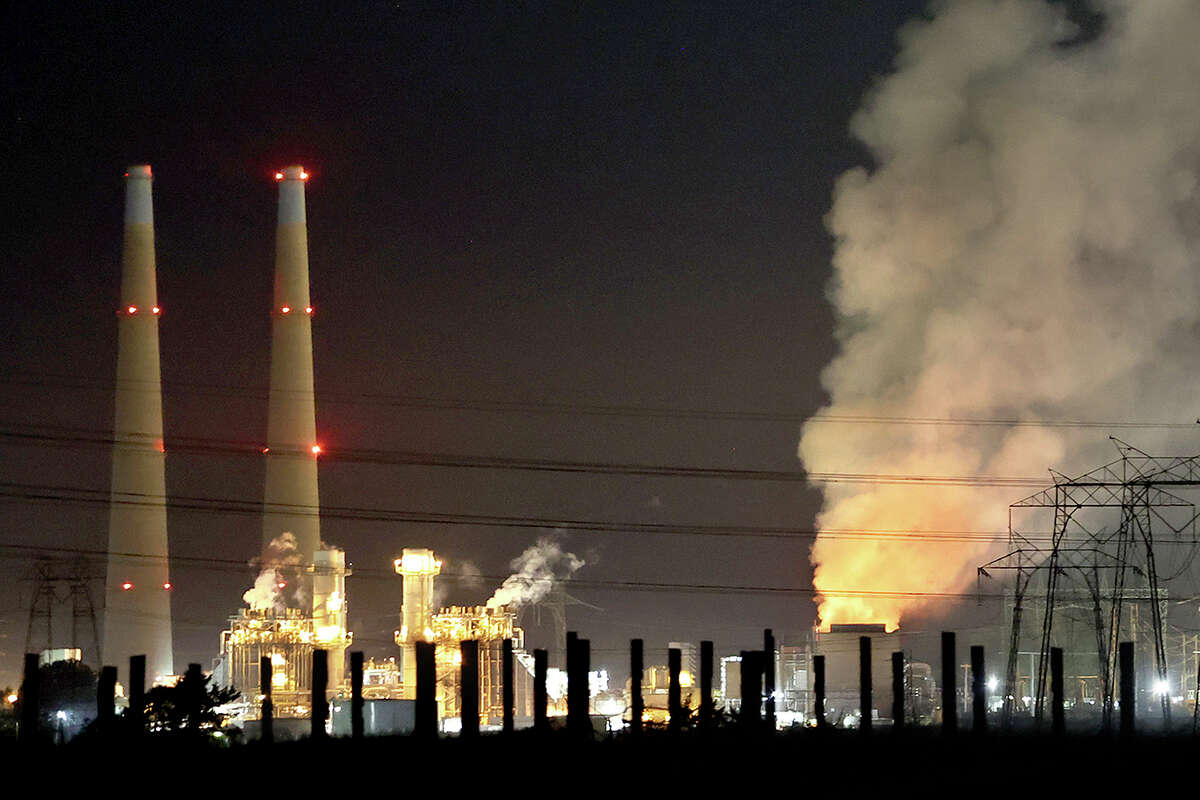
757, 680
978, 688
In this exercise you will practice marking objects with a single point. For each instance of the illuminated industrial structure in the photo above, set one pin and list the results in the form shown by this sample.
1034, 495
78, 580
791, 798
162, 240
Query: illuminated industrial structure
290, 498
490, 626
288, 637
418, 567
447, 628
137, 599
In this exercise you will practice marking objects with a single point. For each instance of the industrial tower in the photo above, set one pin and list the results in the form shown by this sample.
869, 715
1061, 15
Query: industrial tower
291, 503
137, 599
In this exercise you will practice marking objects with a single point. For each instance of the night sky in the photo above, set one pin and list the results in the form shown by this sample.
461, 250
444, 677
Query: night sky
535, 204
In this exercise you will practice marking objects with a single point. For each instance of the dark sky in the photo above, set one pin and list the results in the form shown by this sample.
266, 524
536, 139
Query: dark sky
606, 204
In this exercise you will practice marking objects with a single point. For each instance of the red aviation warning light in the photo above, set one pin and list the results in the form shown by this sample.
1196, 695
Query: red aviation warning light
156, 311
167, 586
316, 449
308, 309
278, 176
285, 310
126, 586
131, 309
281, 585
303, 174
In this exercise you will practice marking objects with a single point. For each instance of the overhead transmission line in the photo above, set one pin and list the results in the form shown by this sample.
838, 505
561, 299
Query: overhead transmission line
175, 387
375, 573
69, 495
56, 436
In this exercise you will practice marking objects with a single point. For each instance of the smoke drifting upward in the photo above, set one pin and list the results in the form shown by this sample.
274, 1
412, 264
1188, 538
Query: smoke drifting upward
280, 572
536, 570
1023, 248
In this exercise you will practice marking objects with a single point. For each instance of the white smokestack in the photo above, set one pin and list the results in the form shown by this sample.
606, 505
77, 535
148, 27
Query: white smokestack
137, 600
291, 499
1023, 248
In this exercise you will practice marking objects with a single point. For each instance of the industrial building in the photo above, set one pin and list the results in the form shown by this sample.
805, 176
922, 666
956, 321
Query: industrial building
447, 628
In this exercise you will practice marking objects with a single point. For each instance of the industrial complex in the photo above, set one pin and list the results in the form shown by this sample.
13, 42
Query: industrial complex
298, 604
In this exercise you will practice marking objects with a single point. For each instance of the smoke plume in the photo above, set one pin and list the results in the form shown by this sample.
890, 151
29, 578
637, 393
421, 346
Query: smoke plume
536, 570
279, 573
1023, 248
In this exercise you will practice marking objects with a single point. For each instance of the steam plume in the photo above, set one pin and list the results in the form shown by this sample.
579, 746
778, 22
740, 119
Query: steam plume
536, 570
1023, 248
279, 566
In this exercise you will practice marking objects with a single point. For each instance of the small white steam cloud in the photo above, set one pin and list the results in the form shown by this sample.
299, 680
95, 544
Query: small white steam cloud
1025, 247
536, 571
266, 594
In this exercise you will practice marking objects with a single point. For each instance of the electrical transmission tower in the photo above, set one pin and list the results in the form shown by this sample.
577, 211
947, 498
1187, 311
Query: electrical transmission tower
1102, 556
50, 578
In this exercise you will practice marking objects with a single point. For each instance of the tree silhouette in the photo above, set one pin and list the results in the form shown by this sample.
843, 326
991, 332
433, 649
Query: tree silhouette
190, 706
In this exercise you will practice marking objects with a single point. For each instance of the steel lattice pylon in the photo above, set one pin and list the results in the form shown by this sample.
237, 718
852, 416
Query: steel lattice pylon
1134, 484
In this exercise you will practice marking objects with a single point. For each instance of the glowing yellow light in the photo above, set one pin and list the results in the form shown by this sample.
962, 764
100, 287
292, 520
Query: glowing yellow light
12, 698
685, 678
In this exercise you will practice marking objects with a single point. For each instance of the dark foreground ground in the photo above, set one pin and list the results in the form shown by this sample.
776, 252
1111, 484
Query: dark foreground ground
834, 764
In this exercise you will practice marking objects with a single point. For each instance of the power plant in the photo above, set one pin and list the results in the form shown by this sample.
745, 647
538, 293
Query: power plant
137, 597
299, 601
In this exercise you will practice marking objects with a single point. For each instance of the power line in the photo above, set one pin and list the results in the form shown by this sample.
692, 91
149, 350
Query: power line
205, 504
233, 565
58, 436
184, 388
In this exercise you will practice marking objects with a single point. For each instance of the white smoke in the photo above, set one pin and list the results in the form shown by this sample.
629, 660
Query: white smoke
1023, 248
278, 573
536, 571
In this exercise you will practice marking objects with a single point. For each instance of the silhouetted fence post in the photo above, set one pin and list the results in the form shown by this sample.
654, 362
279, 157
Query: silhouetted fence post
897, 691
674, 695
30, 700
468, 704
636, 703
1057, 721
578, 692
320, 682
357, 728
507, 693
706, 681
572, 663
864, 684
425, 724
1128, 703
949, 684
137, 694
769, 677
267, 716
751, 687
978, 690
106, 696
193, 697
541, 660
819, 690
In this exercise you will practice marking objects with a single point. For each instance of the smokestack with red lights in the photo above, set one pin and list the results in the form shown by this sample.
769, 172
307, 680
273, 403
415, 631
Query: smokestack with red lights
290, 498
137, 598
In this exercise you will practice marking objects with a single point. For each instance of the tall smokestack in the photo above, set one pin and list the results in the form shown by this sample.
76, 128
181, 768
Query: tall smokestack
290, 497
137, 600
